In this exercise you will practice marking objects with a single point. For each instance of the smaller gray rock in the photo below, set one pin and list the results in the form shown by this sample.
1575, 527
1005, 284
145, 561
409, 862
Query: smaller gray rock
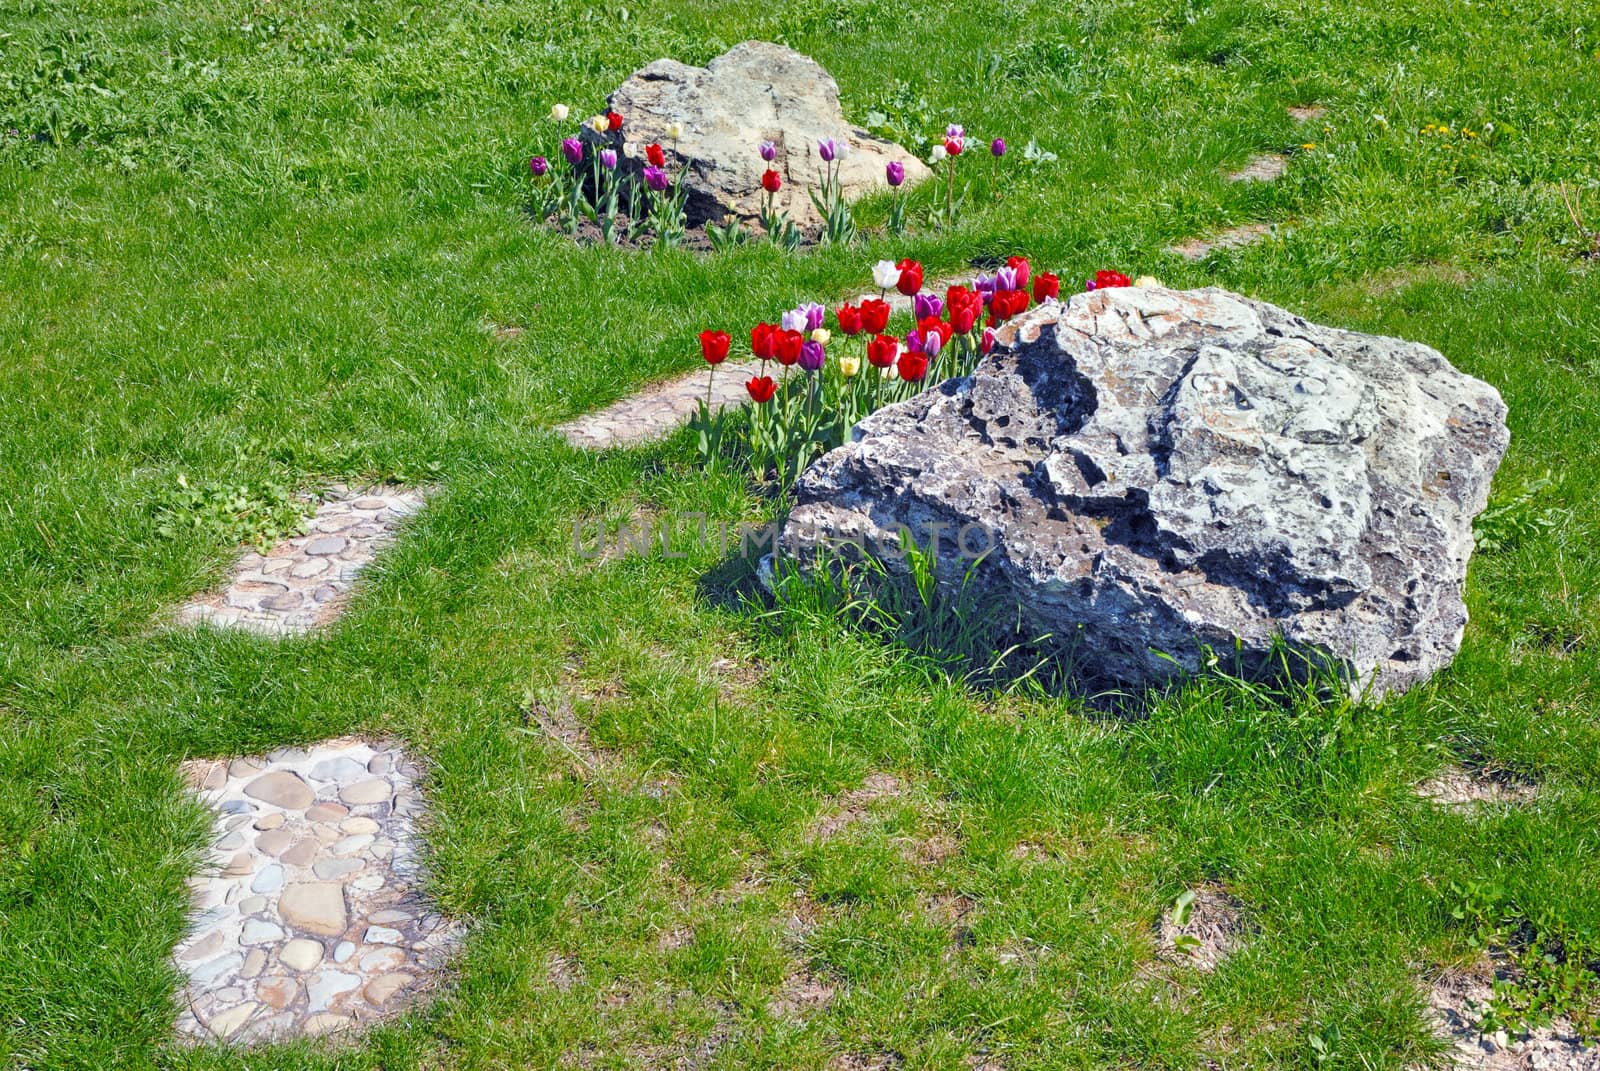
326, 545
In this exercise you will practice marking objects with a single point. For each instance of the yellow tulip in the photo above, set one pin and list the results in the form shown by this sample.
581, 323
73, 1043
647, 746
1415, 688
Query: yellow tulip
820, 336
1147, 281
849, 366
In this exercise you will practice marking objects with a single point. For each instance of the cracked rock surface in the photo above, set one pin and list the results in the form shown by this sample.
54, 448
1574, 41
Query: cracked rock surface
309, 918
1154, 471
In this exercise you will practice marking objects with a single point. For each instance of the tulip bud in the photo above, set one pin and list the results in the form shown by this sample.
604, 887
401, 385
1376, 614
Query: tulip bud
937, 155
827, 149
608, 159
674, 131
998, 147
558, 112
895, 172
538, 165
768, 151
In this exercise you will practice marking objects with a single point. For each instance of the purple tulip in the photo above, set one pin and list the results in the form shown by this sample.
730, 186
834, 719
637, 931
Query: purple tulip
608, 159
984, 285
655, 178
1089, 285
812, 356
572, 149
998, 146
926, 305
827, 149
815, 315
769, 151
932, 343
538, 165
955, 130
795, 320
895, 172
1005, 279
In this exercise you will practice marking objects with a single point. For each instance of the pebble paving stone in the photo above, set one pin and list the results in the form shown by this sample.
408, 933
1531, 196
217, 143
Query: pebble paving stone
309, 917
658, 410
301, 583
1263, 167
1233, 238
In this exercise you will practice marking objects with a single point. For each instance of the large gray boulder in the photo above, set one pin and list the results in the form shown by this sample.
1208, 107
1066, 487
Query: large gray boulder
1161, 471
754, 92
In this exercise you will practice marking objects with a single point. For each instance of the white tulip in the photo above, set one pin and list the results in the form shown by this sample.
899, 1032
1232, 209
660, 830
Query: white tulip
558, 112
937, 155
885, 274
674, 131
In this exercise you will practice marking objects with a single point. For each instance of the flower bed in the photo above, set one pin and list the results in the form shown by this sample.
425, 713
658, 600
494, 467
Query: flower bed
601, 194
817, 381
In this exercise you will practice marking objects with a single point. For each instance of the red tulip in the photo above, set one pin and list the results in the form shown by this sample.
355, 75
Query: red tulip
874, 315
761, 389
1046, 286
788, 347
965, 306
987, 342
613, 121
913, 366
1021, 267
1006, 304
653, 153
933, 325
771, 181
849, 319
714, 346
953, 146
910, 278
1103, 279
763, 340
882, 351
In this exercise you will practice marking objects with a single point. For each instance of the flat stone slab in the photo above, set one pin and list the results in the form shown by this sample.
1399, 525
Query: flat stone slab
301, 583
1263, 167
310, 917
1198, 249
658, 410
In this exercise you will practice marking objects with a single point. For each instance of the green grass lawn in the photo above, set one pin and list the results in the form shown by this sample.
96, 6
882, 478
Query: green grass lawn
269, 244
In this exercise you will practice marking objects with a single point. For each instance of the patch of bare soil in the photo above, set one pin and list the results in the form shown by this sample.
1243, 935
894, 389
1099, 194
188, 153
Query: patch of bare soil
551, 713
1306, 113
802, 993
855, 805
1204, 933
1456, 1002
1466, 791
875, 1061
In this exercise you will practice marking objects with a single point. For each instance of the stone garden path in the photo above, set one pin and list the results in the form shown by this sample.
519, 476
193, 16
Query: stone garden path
300, 584
309, 918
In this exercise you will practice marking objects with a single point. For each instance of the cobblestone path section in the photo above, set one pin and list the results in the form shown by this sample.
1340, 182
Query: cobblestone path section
301, 583
309, 917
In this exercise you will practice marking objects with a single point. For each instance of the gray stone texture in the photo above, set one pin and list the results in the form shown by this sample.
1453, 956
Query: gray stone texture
754, 92
1163, 470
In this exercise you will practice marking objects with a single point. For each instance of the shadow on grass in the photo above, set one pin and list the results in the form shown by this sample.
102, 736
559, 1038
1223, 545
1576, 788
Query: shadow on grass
983, 640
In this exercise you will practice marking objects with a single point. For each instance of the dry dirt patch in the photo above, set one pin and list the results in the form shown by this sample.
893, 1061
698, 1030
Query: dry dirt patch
1204, 930
1456, 1002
